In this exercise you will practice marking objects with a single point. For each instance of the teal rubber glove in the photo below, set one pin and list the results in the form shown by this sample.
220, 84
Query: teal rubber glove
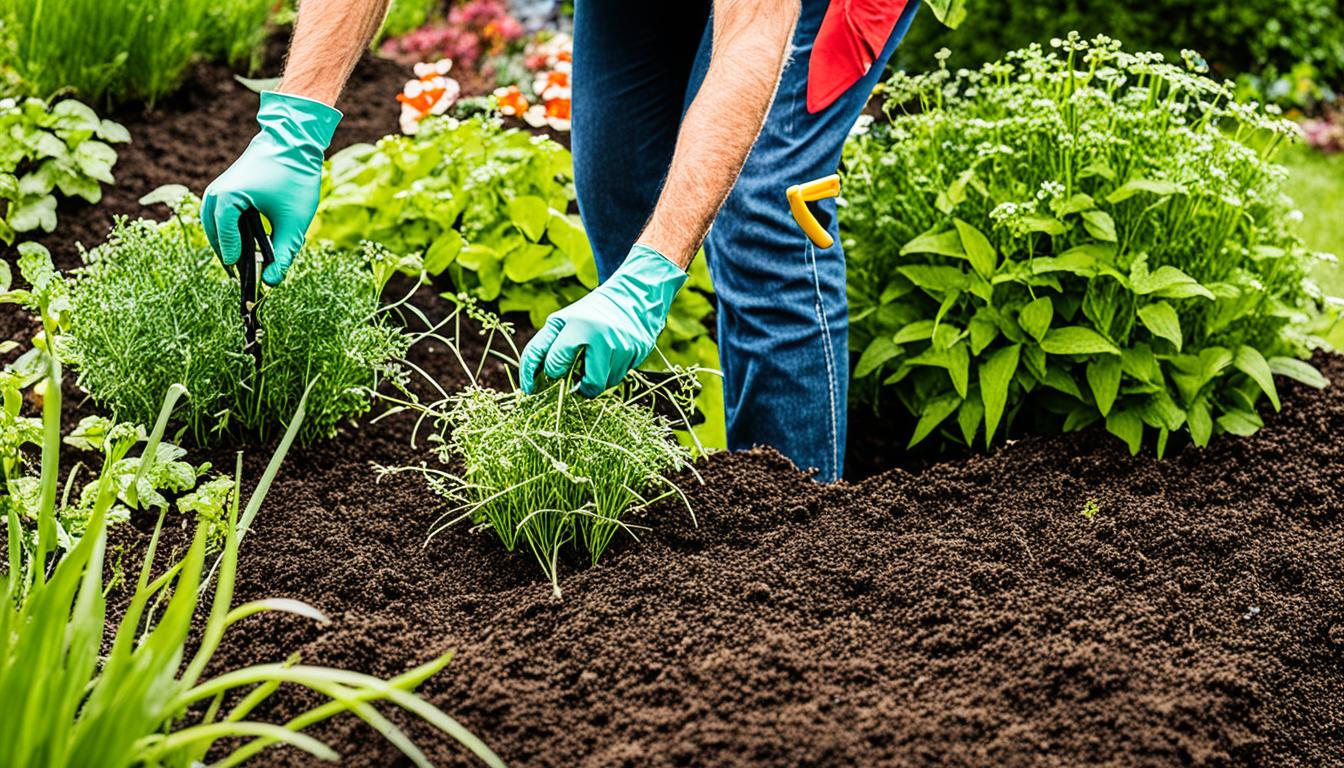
280, 174
615, 326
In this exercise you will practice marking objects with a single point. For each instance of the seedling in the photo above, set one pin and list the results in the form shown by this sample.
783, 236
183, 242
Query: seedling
1091, 508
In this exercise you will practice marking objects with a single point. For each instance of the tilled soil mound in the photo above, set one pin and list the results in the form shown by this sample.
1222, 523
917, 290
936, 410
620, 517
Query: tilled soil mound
972, 614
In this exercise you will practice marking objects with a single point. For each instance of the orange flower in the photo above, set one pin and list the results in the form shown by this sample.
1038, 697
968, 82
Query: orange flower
510, 101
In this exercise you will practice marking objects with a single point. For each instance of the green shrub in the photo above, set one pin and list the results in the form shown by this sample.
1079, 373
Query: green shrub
139, 699
489, 207
122, 50
153, 307
1261, 37
1075, 237
62, 148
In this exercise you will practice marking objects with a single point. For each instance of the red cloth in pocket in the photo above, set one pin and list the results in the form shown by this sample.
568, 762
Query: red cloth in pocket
851, 36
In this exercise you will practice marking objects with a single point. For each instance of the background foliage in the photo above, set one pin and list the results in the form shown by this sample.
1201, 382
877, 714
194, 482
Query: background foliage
1264, 38
123, 50
1082, 236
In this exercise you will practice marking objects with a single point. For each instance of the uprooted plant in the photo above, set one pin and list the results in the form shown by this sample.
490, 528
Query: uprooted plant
553, 469
141, 701
153, 307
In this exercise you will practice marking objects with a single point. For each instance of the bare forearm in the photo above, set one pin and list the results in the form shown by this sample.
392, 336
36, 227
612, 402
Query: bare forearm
329, 37
751, 42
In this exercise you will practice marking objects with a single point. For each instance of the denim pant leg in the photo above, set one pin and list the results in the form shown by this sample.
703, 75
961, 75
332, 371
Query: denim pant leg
783, 319
632, 67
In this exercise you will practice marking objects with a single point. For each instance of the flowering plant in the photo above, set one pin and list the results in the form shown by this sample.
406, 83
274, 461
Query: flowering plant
549, 60
432, 92
1075, 236
1326, 132
471, 32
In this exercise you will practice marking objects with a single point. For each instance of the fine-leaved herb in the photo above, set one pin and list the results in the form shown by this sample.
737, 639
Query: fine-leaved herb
1070, 237
153, 307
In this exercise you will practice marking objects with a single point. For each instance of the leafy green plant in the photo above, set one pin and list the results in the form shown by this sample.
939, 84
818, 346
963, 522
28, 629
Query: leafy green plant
153, 307
71, 702
61, 147
123, 50
554, 469
489, 207
1075, 237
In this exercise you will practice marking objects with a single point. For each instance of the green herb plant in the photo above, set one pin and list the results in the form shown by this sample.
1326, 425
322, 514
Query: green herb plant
153, 307
553, 469
48, 148
488, 207
71, 701
1075, 236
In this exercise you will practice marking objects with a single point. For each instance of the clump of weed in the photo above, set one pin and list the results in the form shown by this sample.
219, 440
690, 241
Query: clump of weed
153, 307
554, 469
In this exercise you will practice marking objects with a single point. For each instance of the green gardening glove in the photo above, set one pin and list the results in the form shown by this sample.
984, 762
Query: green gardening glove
280, 174
615, 326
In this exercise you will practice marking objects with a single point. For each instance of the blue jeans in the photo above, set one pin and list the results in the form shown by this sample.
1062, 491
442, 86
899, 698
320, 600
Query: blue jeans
783, 321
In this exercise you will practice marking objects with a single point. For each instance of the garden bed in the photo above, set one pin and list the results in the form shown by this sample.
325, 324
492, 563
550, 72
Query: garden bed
1055, 603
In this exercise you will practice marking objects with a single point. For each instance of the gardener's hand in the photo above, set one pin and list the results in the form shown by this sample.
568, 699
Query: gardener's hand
280, 174
615, 326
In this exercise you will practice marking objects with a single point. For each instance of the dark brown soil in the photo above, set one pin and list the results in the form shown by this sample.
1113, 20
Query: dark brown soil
970, 614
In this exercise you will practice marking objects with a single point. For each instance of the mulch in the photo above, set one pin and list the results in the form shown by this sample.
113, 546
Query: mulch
965, 613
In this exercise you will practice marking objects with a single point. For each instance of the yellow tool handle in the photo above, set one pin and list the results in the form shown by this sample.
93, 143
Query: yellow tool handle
802, 194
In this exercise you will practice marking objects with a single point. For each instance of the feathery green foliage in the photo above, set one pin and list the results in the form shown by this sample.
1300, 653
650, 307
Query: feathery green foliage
153, 307
554, 469
1072, 237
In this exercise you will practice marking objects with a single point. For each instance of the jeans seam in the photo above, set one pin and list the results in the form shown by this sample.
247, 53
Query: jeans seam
829, 351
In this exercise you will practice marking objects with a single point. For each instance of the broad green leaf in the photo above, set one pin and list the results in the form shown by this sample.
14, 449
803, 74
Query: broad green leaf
983, 332
443, 251
530, 214
1200, 421
1162, 321
1045, 224
167, 194
1153, 186
996, 375
1059, 379
1100, 225
919, 330
1161, 412
935, 277
1082, 260
111, 132
96, 159
1035, 317
6, 276
1103, 378
33, 213
1076, 340
958, 367
1167, 282
1139, 362
1127, 426
1250, 362
1299, 371
536, 261
943, 244
950, 12
969, 416
933, 414
1242, 423
878, 351
568, 235
978, 249
1077, 204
